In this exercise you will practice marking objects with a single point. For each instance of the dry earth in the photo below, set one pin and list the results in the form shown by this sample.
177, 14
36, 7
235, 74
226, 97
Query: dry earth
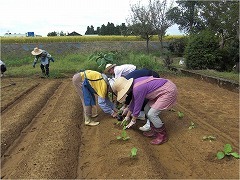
43, 135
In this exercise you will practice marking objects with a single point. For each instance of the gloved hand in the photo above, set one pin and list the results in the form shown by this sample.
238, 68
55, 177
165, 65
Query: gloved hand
125, 111
125, 120
131, 124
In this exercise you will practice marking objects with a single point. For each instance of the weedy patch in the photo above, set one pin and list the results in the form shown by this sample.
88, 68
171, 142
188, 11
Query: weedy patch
227, 152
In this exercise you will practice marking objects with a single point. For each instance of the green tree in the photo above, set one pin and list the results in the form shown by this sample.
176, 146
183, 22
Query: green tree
159, 19
54, 33
186, 15
140, 22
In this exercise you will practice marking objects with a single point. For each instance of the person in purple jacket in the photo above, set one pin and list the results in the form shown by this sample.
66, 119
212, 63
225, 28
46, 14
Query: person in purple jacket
162, 95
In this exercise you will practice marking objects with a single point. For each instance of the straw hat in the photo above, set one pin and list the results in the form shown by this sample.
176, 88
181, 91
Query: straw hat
121, 87
36, 51
108, 67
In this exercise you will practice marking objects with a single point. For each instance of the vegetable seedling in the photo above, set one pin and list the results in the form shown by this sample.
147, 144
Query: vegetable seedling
180, 114
123, 136
192, 125
227, 152
133, 152
210, 138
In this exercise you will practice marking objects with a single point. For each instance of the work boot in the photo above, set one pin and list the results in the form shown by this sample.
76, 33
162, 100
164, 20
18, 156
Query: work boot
89, 121
150, 133
161, 136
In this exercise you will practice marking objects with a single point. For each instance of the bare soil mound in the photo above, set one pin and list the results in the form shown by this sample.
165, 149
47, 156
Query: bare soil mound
43, 135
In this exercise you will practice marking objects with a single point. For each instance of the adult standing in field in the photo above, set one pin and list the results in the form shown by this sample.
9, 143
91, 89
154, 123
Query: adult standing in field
137, 74
118, 71
89, 83
45, 59
3, 68
162, 95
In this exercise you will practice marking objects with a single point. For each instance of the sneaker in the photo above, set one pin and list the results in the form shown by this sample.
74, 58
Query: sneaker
146, 126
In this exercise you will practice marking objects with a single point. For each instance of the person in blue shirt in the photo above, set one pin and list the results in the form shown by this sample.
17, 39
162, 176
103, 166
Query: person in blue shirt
45, 59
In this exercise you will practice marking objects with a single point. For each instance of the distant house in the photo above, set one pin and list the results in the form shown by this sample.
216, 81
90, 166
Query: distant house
28, 34
14, 35
74, 34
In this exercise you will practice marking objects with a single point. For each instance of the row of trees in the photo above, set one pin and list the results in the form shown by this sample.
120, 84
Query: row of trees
219, 18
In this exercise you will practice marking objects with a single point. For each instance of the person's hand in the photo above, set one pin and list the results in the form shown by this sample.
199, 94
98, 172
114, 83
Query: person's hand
132, 122
125, 111
125, 120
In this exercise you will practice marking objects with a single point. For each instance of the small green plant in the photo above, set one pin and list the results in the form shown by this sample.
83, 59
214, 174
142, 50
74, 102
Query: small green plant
227, 152
133, 152
123, 136
192, 125
180, 114
209, 138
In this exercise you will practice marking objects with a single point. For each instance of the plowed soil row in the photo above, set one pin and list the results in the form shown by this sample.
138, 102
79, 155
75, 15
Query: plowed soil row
43, 135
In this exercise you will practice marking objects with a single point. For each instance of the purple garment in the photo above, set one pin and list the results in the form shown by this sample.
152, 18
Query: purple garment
140, 92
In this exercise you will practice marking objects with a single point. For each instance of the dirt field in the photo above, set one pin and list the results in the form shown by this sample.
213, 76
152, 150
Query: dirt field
43, 135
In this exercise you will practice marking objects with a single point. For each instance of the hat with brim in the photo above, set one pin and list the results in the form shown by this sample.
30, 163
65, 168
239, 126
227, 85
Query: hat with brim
122, 85
36, 51
108, 67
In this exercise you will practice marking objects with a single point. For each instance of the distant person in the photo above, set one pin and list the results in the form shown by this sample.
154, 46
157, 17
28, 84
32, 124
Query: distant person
3, 68
45, 59
119, 71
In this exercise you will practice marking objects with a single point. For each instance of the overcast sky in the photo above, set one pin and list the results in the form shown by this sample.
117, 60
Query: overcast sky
44, 16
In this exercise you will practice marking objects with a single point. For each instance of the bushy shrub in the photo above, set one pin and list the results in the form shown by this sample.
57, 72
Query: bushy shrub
177, 46
202, 51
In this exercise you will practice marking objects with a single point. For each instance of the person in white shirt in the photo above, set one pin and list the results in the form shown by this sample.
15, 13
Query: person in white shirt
3, 68
119, 71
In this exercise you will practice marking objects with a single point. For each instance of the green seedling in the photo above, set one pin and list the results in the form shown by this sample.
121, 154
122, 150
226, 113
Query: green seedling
133, 152
180, 114
227, 152
123, 136
192, 125
209, 138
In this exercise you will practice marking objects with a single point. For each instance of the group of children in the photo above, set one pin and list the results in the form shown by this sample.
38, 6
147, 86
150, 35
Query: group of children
141, 91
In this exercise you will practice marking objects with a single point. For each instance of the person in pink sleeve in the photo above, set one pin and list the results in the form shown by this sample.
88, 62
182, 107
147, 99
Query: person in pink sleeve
162, 95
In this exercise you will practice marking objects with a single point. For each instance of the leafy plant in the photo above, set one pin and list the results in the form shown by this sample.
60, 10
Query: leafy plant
102, 58
180, 114
192, 125
210, 138
123, 136
227, 152
133, 152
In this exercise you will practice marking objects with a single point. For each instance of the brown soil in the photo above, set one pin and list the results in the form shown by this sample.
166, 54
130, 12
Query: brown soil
43, 135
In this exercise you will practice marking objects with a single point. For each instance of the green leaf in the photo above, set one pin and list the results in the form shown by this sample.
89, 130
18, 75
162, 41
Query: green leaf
227, 149
180, 114
119, 137
133, 152
235, 154
220, 155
